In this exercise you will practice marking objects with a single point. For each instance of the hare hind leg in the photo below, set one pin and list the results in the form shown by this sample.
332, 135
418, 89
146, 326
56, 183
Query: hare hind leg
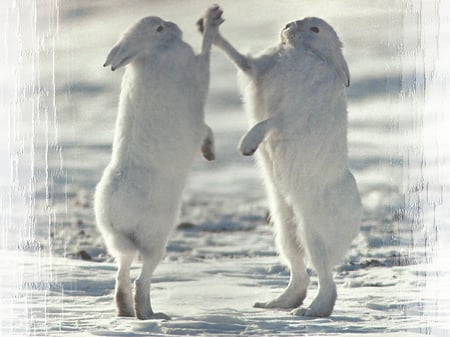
286, 228
323, 303
320, 254
142, 302
328, 233
123, 293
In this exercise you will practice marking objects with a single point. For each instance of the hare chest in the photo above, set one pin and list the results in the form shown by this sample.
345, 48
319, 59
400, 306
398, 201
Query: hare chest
311, 140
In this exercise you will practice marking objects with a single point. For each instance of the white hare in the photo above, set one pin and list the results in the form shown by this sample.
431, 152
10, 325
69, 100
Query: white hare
295, 97
160, 127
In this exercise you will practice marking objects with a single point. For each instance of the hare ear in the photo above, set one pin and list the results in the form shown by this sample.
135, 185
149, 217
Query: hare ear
341, 67
122, 53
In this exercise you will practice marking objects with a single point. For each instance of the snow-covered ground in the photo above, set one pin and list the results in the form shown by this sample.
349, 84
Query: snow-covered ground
58, 111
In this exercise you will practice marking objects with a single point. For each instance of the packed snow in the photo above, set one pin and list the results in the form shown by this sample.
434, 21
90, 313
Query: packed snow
58, 111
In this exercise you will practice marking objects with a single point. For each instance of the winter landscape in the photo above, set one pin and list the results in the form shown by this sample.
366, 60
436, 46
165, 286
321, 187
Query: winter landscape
58, 112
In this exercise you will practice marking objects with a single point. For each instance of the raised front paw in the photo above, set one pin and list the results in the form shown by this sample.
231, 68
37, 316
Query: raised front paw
247, 147
208, 150
211, 20
249, 143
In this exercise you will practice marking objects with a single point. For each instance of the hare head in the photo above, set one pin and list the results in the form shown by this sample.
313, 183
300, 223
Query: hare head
318, 36
144, 38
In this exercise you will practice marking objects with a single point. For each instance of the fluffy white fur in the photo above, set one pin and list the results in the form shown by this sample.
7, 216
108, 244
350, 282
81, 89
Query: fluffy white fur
295, 97
160, 127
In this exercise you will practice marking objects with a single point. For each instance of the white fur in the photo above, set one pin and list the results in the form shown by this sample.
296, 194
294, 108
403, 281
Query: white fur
160, 126
295, 97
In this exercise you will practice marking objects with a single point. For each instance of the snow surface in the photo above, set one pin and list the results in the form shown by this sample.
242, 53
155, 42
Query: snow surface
60, 107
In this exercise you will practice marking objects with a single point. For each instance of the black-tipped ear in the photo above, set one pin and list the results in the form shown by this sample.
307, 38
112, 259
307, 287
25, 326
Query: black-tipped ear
341, 67
122, 53
110, 56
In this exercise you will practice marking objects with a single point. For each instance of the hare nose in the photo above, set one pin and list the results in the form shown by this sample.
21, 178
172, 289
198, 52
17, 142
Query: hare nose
293, 25
172, 26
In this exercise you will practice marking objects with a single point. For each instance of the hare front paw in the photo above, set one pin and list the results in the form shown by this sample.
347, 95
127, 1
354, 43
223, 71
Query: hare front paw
208, 150
211, 20
249, 143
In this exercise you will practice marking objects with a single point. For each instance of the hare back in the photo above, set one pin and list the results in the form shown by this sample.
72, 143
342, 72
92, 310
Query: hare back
160, 117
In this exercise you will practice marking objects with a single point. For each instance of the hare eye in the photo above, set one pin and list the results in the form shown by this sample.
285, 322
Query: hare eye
159, 29
314, 29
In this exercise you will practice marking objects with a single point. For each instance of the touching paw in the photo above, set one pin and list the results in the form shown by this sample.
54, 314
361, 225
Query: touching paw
212, 19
